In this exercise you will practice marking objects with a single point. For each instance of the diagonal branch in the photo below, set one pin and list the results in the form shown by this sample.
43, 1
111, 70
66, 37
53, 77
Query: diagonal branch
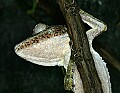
81, 53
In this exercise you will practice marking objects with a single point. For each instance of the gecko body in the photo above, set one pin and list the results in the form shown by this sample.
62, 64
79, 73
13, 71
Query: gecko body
49, 46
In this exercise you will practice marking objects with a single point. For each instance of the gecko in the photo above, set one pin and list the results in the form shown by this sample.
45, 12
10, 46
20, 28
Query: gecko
49, 46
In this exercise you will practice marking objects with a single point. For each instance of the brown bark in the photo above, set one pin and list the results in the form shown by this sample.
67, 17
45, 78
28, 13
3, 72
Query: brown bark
80, 48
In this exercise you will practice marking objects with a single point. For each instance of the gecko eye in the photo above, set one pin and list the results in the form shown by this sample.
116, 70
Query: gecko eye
38, 28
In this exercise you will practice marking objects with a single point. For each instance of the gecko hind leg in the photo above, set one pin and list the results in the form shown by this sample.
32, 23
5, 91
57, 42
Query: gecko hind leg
96, 25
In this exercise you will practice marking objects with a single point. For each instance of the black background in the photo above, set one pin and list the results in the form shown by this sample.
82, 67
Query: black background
20, 76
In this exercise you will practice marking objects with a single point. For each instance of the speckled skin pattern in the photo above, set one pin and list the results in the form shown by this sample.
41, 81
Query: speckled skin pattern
49, 32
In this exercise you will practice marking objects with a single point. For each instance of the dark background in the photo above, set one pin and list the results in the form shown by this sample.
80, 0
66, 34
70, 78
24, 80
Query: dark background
16, 24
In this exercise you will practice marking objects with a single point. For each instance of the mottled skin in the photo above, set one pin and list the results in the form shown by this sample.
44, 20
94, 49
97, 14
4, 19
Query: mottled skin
48, 32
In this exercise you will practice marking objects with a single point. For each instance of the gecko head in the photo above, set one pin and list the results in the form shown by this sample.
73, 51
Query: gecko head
48, 48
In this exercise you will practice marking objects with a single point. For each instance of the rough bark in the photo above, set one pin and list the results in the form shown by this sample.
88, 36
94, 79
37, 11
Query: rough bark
80, 47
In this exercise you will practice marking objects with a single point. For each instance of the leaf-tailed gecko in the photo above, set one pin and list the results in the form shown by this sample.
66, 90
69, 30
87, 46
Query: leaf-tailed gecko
49, 46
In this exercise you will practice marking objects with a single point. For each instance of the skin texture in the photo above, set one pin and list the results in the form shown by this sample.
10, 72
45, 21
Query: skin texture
49, 46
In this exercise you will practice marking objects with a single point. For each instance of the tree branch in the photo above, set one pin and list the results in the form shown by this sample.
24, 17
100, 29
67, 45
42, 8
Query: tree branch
80, 49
